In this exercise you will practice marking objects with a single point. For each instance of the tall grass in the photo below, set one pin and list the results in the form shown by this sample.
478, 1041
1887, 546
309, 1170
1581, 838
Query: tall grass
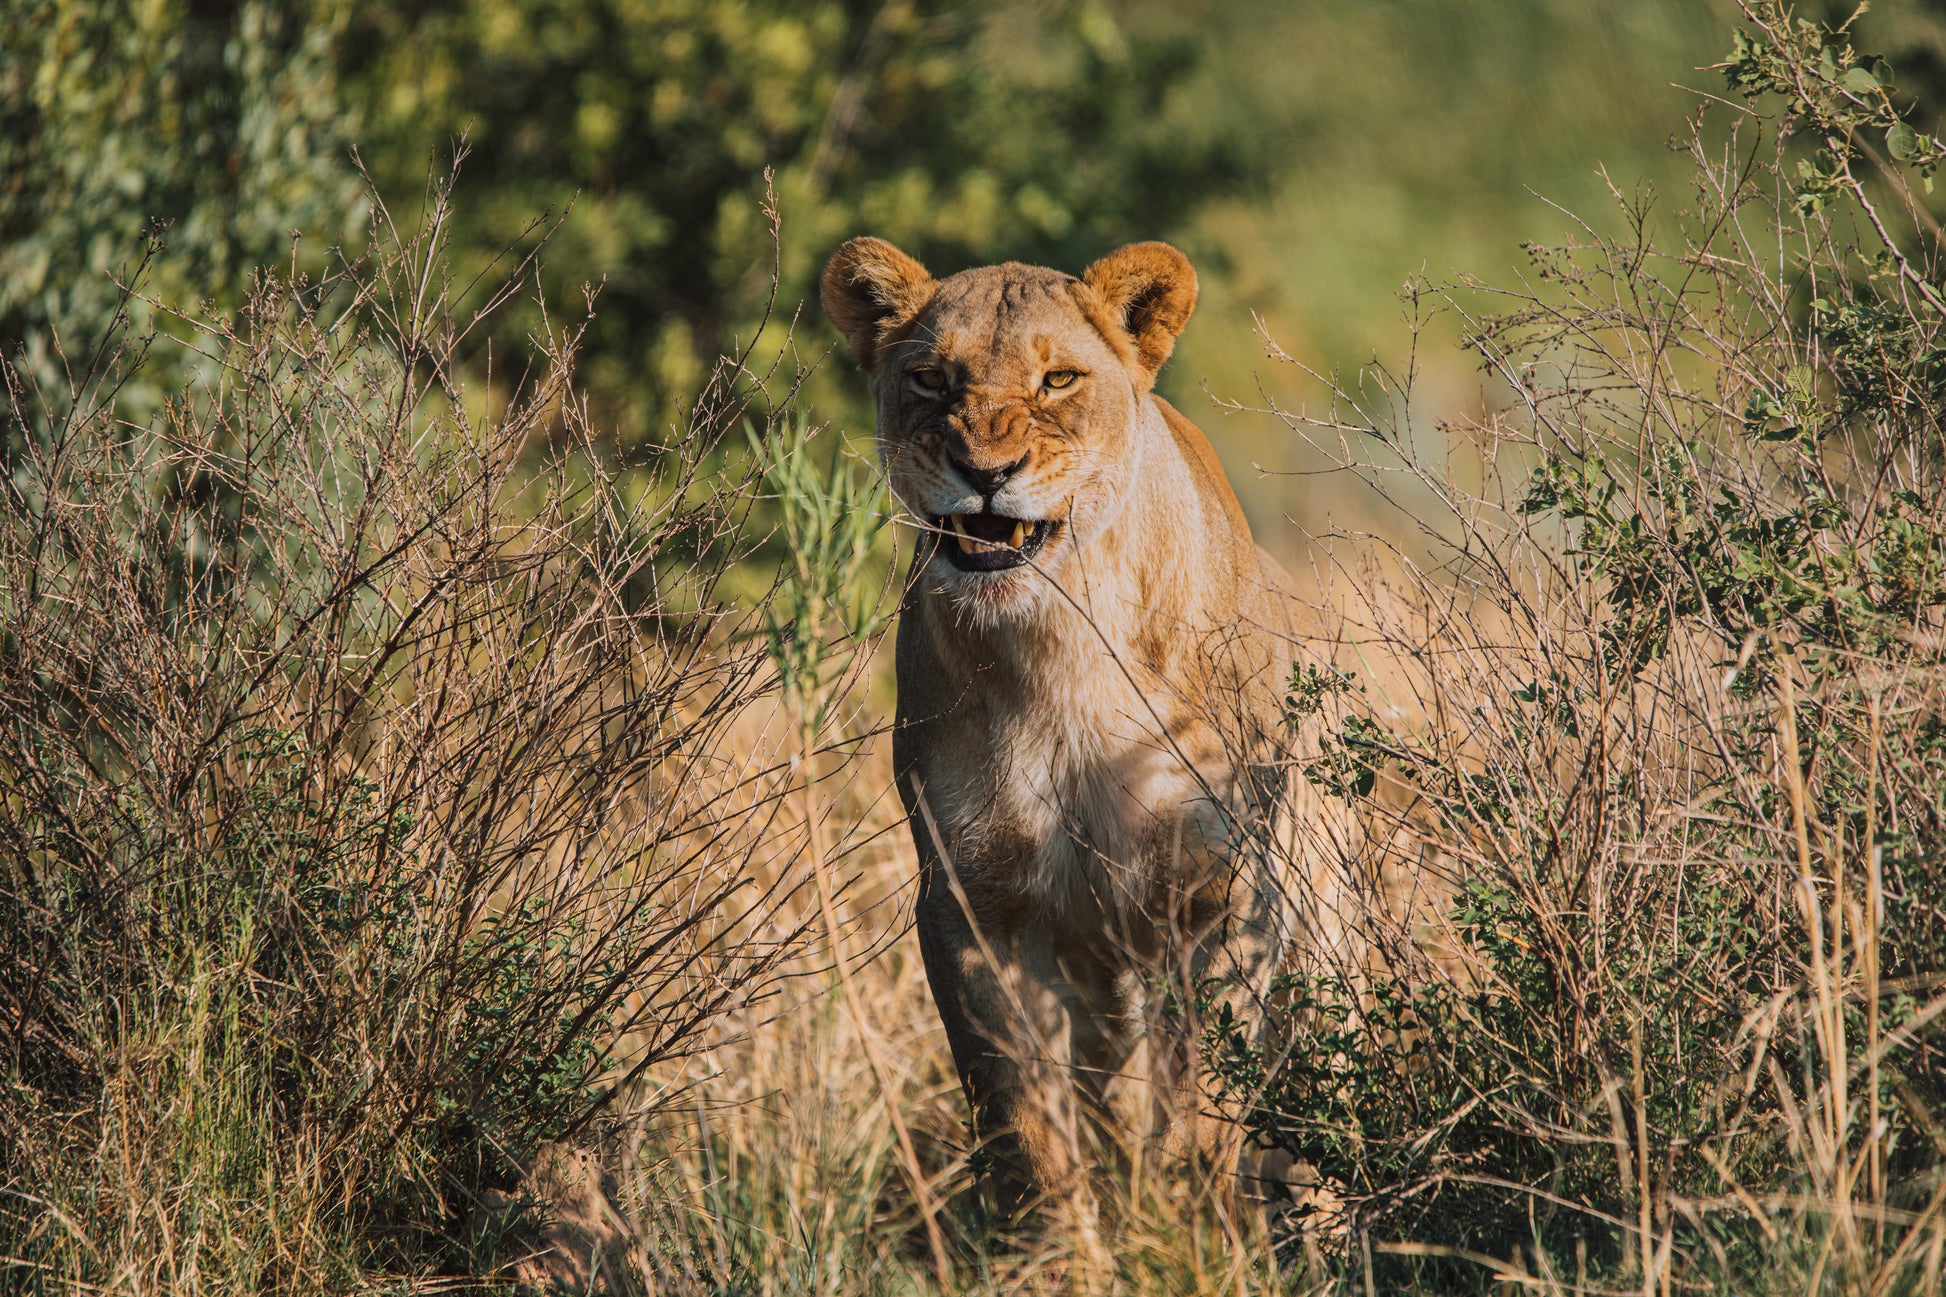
377, 786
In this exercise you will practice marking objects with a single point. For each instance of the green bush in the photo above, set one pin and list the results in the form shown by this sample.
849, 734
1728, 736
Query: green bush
218, 130
967, 133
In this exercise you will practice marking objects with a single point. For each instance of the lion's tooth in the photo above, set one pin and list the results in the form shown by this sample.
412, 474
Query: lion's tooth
1020, 535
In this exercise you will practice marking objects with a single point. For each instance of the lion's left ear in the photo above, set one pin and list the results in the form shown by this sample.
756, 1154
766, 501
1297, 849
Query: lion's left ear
1150, 290
869, 289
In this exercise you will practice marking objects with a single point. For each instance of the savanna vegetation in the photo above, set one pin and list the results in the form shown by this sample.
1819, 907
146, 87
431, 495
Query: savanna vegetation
441, 738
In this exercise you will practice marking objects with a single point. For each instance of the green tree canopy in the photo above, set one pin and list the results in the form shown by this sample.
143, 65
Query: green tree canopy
967, 133
216, 125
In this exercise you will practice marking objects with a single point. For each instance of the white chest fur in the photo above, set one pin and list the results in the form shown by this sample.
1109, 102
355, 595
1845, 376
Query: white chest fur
1086, 803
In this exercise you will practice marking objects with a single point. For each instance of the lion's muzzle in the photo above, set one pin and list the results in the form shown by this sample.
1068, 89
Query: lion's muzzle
991, 542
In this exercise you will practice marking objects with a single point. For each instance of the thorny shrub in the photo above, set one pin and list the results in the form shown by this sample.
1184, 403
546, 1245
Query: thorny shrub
370, 798
1659, 728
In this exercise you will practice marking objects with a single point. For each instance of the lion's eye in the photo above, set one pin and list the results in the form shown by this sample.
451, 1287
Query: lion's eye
930, 381
1059, 377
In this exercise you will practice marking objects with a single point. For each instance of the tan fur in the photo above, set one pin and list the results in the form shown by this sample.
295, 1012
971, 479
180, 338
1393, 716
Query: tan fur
1088, 745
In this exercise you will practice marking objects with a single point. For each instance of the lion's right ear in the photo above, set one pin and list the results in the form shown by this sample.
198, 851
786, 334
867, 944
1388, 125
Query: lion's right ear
871, 288
1149, 290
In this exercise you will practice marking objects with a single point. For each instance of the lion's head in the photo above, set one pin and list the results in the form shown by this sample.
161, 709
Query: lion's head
1009, 399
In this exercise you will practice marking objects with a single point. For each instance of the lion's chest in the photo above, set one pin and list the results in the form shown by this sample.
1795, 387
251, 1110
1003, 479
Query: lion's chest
1090, 807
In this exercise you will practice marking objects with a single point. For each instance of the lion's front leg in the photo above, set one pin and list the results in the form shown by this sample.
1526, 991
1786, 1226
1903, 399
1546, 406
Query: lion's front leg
1227, 935
1001, 999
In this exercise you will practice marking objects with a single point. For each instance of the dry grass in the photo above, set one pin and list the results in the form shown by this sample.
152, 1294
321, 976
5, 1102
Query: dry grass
372, 801
780, 1172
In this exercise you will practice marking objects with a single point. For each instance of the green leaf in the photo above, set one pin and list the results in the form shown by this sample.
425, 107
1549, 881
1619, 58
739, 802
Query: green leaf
1902, 142
1860, 81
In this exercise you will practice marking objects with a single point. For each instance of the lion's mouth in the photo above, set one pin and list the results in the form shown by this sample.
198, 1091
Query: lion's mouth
989, 542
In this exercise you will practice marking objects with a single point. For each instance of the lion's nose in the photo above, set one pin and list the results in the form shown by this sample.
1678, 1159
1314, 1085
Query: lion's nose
986, 480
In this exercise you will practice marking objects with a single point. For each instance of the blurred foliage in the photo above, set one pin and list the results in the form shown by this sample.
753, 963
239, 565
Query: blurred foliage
831, 525
1310, 157
965, 133
215, 126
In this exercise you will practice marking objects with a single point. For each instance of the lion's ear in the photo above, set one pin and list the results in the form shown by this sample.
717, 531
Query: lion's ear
1150, 290
871, 288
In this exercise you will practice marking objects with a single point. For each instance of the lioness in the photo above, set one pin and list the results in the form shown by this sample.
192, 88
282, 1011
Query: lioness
1090, 659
